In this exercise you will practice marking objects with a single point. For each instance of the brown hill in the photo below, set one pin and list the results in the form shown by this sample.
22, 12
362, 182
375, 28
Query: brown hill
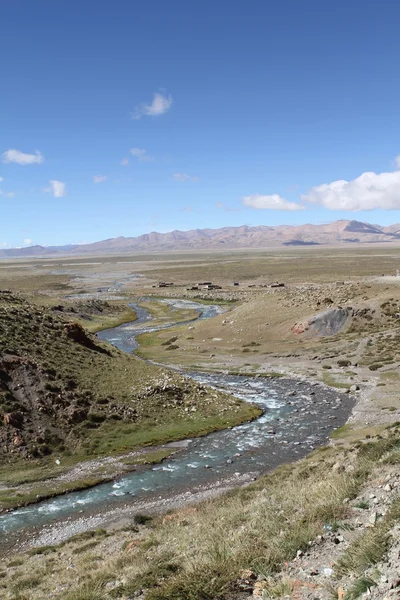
331, 234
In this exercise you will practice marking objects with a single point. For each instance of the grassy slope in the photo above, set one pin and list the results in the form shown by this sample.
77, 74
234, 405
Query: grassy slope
129, 403
198, 552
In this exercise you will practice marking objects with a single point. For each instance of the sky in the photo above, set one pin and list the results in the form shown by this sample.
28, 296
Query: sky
123, 117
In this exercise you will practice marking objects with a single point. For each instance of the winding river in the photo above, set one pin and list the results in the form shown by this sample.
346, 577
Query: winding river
297, 417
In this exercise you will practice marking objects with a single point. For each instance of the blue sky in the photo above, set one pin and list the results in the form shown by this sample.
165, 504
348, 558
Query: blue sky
123, 117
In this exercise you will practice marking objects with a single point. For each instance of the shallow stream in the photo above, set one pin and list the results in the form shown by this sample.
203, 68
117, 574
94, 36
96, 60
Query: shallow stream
298, 416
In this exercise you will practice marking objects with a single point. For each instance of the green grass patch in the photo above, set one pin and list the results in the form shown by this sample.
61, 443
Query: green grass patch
341, 431
330, 380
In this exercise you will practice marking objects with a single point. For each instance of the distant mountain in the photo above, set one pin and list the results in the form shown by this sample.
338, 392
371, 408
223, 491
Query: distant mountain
338, 233
36, 251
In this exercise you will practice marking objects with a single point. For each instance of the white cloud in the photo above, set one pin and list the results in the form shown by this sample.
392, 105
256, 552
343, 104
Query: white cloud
1, 179
7, 194
368, 191
28, 242
141, 154
57, 188
99, 178
160, 105
125, 162
397, 162
182, 177
22, 158
273, 202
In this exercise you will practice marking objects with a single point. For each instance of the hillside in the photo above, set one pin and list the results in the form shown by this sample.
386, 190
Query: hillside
338, 233
66, 395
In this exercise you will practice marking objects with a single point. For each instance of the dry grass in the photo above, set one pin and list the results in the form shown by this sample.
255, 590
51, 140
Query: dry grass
196, 553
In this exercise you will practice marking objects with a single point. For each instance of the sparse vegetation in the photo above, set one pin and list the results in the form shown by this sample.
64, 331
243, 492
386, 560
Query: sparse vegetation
199, 552
258, 527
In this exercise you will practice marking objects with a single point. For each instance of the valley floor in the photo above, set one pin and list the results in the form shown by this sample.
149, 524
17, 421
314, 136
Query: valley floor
324, 527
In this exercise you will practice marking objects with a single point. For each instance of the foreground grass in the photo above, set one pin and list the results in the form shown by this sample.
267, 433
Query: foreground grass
197, 552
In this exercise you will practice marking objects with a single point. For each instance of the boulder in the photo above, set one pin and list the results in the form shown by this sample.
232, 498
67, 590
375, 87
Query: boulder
13, 419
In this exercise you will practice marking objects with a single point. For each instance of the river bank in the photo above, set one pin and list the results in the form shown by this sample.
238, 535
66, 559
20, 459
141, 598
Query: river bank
297, 417
309, 524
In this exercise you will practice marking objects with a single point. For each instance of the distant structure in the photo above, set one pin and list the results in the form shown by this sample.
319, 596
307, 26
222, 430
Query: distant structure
163, 284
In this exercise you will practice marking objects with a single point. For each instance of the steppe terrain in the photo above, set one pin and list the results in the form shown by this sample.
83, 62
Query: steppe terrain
323, 527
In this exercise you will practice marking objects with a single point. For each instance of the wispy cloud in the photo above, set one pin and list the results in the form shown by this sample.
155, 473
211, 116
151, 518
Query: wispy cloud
22, 158
125, 162
99, 178
28, 242
7, 194
57, 188
141, 154
226, 207
1, 179
182, 177
273, 202
159, 106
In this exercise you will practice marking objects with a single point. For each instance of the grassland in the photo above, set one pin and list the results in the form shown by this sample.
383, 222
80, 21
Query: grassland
200, 552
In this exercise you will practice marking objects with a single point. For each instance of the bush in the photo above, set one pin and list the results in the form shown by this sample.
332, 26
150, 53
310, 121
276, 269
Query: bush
344, 363
141, 519
375, 366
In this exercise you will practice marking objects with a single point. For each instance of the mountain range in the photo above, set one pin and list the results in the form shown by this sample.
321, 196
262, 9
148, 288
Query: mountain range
338, 233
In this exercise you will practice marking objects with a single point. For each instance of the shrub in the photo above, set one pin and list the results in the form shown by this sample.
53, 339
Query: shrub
141, 519
344, 363
375, 366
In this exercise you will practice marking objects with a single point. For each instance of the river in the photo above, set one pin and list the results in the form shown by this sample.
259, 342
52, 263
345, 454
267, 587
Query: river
298, 416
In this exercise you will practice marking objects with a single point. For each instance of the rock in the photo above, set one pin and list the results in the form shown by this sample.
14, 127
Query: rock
259, 588
18, 441
338, 539
338, 468
388, 487
14, 419
248, 575
354, 388
372, 519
